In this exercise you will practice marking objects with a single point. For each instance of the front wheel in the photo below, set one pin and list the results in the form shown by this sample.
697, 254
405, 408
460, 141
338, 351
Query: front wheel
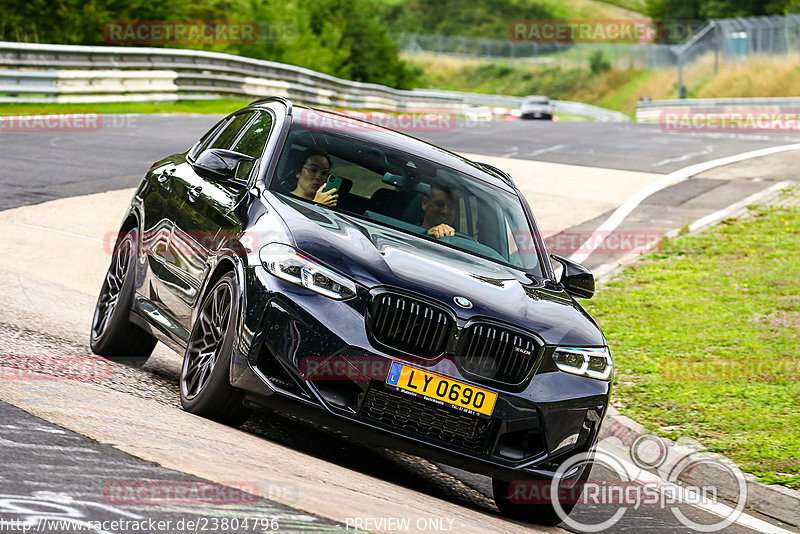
529, 500
205, 375
112, 334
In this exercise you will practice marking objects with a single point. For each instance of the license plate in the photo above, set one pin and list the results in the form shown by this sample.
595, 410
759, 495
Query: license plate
446, 390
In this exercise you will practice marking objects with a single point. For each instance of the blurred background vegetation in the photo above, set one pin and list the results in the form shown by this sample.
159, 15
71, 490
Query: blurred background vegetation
355, 39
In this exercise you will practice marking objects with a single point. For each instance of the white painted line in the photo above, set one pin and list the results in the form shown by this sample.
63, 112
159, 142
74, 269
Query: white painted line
607, 269
545, 150
709, 149
716, 508
674, 177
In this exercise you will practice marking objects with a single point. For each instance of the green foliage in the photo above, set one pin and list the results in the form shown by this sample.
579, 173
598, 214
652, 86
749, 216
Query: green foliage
710, 9
345, 38
598, 62
469, 18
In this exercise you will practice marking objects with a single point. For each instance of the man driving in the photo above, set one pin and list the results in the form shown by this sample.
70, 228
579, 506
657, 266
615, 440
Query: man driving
439, 212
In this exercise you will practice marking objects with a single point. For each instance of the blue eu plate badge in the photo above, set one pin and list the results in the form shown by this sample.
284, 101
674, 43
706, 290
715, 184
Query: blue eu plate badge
394, 373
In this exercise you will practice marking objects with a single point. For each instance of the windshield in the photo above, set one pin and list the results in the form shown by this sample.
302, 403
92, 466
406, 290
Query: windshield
536, 100
395, 189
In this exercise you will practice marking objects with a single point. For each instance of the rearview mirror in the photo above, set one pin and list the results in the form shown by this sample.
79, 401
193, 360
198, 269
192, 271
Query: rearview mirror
576, 279
219, 164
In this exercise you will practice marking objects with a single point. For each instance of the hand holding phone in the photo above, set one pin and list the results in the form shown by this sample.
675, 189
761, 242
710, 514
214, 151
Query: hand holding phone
333, 182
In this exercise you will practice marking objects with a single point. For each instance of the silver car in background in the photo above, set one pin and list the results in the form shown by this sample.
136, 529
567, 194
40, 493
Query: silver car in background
536, 107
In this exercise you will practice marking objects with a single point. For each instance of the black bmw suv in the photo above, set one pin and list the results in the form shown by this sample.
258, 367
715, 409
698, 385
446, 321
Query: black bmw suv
308, 262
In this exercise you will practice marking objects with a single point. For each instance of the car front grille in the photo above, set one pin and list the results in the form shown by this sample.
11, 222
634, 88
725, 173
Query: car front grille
417, 417
408, 324
497, 353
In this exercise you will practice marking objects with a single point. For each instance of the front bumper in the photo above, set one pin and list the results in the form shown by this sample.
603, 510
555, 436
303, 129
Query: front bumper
312, 357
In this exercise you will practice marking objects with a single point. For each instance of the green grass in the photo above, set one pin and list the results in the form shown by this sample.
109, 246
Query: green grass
220, 107
728, 296
566, 117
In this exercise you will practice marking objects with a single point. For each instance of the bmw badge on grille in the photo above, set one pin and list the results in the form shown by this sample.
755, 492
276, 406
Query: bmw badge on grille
463, 302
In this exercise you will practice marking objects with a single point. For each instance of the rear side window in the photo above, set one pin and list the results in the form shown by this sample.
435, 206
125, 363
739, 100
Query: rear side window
207, 137
231, 131
254, 138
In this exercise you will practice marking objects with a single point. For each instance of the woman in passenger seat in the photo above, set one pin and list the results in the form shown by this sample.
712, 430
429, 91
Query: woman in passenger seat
312, 176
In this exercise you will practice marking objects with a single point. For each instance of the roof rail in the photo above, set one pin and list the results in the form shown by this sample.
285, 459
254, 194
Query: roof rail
497, 172
283, 100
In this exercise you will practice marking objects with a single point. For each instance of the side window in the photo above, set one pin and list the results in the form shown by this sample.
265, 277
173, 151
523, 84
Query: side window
208, 136
228, 135
252, 142
254, 138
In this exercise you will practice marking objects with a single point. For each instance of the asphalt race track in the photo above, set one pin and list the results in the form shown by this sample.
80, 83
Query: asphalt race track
63, 444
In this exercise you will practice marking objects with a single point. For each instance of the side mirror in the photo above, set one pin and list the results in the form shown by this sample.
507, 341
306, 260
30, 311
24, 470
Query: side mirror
219, 164
576, 279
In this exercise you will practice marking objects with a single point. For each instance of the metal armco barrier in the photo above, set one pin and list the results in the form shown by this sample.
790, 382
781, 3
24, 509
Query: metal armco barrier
69, 73
654, 110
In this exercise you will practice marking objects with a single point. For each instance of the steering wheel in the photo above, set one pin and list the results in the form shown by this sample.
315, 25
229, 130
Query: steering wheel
458, 235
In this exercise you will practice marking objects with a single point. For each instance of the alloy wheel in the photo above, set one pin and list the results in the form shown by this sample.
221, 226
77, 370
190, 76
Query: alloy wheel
204, 347
112, 286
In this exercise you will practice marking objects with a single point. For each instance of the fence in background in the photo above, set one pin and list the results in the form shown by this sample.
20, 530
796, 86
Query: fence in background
729, 39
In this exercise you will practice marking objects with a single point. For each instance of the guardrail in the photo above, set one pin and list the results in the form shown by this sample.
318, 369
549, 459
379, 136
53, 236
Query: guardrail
653, 111
561, 106
71, 73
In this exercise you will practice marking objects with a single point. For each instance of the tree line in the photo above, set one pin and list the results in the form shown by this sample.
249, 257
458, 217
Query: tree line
351, 39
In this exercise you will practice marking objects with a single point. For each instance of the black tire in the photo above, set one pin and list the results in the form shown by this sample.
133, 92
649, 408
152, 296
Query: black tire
541, 514
205, 374
112, 334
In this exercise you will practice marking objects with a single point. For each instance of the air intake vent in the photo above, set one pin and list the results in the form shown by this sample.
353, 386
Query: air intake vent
497, 353
419, 418
409, 325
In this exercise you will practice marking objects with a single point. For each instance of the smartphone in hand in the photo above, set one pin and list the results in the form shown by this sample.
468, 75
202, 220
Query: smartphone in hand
333, 182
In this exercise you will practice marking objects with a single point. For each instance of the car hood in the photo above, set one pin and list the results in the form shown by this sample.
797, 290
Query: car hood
375, 255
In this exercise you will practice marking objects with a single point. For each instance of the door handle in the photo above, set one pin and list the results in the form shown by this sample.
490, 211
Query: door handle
194, 193
166, 174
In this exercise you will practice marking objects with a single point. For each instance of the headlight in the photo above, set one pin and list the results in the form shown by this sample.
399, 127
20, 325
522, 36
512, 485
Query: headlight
594, 363
287, 263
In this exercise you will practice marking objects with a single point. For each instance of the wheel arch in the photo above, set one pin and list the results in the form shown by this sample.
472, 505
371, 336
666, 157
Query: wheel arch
222, 265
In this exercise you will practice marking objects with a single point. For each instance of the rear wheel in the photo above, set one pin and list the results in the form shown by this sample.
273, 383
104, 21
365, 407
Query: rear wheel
205, 375
112, 334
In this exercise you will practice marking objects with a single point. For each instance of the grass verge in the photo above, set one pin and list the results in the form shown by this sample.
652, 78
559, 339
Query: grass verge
706, 334
221, 106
